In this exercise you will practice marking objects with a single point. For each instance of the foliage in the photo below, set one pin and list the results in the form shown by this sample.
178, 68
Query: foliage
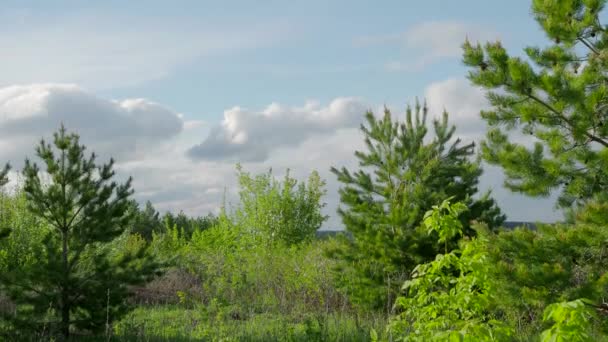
269, 233
4, 175
216, 323
444, 219
592, 212
572, 322
287, 212
449, 298
4, 230
235, 271
147, 221
20, 248
78, 279
187, 224
402, 175
558, 97
238, 263
80, 251
553, 264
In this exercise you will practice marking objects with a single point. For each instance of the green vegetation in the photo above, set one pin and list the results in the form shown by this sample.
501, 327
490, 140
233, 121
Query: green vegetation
276, 212
558, 96
424, 257
76, 276
451, 297
4, 230
383, 203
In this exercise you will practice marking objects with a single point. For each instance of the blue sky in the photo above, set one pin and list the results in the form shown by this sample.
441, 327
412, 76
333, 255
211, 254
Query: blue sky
312, 54
209, 68
321, 59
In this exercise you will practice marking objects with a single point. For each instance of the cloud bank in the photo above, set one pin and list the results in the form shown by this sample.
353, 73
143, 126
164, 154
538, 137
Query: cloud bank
246, 135
124, 129
190, 165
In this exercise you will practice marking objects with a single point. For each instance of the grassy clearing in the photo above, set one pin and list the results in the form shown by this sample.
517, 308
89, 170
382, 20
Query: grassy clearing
176, 323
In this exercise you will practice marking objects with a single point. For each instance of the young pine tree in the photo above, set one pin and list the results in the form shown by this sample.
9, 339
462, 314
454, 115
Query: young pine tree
80, 280
557, 96
147, 220
402, 175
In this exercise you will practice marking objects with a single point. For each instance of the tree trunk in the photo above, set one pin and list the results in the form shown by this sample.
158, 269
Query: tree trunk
65, 317
65, 305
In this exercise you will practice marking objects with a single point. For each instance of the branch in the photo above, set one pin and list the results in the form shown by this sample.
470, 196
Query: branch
51, 213
588, 45
568, 121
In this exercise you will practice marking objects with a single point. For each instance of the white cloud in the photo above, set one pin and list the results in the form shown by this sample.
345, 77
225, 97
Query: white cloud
303, 147
150, 142
267, 138
197, 187
246, 135
124, 129
428, 42
462, 101
336, 150
173, 182
443, 38
100, 50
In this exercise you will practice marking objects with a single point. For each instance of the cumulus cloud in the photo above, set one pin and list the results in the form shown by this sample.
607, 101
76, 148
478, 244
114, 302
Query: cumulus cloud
462, 101
196, 188
154, 145
123, 129
305, 139
246, 135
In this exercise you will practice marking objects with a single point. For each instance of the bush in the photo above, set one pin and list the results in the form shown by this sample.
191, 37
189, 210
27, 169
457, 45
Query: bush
285, 212
449, 298
234, 270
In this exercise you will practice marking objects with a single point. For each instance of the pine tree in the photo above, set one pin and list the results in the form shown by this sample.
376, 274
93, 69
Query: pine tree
401, 176
147, 220
186, 224
83, 272
557, 96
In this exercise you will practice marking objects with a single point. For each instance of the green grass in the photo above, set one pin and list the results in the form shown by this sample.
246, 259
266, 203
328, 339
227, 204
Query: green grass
176, 323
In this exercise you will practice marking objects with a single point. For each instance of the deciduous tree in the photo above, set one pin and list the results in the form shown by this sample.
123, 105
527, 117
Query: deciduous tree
287, 212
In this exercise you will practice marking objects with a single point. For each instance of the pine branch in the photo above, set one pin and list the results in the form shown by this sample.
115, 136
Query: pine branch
568, 121
588, 45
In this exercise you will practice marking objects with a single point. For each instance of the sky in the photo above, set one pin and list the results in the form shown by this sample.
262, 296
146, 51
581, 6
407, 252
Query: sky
178, 92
